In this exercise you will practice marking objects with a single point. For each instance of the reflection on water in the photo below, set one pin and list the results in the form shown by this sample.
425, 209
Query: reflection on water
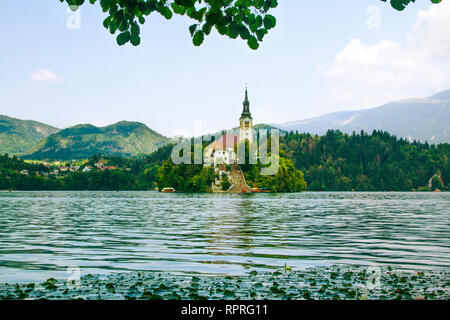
44, 233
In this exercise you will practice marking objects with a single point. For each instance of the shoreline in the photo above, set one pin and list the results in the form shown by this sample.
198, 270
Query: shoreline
316, 283
159, 192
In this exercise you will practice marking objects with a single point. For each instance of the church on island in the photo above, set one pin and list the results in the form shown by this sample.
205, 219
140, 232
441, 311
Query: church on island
221, 154
222, 151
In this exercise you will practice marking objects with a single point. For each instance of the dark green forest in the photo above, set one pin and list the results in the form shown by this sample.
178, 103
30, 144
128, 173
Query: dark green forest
131, 174
333, 162
185, 177
366, 162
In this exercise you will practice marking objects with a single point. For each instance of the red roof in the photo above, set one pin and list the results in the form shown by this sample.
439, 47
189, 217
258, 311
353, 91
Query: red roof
228, 140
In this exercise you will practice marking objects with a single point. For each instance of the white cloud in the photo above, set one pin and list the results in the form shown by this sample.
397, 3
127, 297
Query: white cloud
45, 75
369, 75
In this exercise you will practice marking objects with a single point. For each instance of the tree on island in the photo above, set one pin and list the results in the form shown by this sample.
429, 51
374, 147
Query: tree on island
248, 19
225, 184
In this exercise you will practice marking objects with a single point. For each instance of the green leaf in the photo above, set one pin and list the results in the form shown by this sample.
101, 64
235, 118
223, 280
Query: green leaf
260, 33
233, 30
185, 3
106, 22
222, 29
244, 33
207, 28
273, 3
135, 29
198, 38
105, 4
201, 14
135, 39
166, 12
113, 26
176, 8
259, 22
123, 38
253, 43
192, 29
123, 26
269, 21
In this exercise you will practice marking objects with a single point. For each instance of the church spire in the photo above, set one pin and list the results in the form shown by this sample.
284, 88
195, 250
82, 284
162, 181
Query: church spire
246, 110
246, 121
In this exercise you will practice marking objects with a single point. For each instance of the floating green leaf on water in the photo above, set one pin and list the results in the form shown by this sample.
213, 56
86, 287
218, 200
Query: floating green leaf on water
110, 287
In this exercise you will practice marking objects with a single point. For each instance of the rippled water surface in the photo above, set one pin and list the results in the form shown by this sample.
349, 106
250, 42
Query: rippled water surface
42, 234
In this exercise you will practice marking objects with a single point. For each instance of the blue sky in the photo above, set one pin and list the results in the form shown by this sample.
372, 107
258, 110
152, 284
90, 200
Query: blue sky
321, 57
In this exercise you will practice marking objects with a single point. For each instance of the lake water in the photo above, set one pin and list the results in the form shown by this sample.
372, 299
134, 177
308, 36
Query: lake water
42, 234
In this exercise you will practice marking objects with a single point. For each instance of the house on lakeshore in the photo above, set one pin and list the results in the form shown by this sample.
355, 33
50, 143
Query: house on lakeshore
99, 165
222, 151
74, 168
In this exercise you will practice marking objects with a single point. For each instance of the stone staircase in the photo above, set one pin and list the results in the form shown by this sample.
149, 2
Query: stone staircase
238, 181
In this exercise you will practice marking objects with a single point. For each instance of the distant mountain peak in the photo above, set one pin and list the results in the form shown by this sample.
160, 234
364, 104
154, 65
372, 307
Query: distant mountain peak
443, 95
414, 119
417, 100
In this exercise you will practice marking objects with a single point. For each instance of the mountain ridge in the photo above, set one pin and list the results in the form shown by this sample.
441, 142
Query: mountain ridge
426, 119
124, 138
442, 95
422, 119
20, 136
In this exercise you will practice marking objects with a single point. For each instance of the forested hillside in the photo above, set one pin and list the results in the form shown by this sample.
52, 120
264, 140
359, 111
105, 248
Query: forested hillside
123, 139
333, 162
20, 136
365, 162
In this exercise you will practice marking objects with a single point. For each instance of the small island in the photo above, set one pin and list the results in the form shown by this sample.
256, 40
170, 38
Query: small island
224, 171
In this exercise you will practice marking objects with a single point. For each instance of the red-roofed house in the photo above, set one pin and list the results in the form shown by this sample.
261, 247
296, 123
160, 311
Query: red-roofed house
221, 151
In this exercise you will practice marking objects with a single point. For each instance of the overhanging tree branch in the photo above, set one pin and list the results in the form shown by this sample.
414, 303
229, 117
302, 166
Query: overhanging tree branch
248, 19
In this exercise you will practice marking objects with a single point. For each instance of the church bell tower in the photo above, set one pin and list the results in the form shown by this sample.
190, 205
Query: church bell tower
246, 121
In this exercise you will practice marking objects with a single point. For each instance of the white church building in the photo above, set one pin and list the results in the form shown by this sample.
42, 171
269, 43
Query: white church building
222, 151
